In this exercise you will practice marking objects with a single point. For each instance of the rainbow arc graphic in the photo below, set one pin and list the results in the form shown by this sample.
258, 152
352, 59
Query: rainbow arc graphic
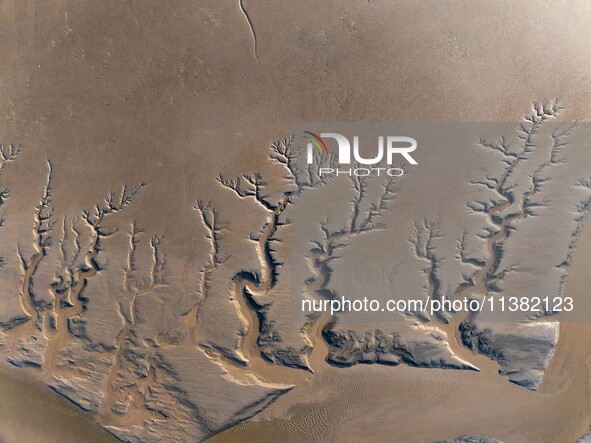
316, 141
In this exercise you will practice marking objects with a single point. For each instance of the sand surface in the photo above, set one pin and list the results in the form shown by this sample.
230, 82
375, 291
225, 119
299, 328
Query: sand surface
157, 296
31, 412
446, 403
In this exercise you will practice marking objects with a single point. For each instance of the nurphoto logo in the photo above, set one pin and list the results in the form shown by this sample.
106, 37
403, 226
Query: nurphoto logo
394, 145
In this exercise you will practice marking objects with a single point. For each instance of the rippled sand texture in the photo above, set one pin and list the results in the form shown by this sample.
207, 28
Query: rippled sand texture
151, 209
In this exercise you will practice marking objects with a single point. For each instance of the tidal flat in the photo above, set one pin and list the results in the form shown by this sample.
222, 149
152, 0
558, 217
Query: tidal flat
31, 412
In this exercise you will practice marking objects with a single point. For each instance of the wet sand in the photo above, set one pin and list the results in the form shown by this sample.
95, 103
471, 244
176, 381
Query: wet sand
403, 404
31, 412
202, 90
